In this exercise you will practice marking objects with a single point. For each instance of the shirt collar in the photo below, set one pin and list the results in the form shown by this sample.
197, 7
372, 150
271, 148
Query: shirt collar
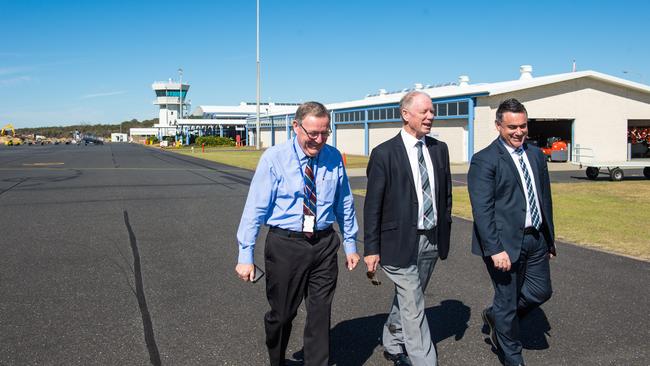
410, 140
510, 149
301, 154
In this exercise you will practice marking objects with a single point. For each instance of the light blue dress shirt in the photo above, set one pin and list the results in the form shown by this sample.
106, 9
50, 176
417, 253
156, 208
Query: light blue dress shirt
275, 197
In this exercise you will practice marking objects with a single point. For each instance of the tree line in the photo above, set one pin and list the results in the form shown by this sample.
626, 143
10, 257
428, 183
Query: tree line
98, 130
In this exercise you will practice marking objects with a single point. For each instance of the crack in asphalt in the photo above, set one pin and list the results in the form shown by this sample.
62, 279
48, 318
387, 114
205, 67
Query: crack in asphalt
149, 337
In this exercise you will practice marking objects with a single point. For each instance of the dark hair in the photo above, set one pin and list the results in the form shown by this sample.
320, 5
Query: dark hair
311, 109
510, 105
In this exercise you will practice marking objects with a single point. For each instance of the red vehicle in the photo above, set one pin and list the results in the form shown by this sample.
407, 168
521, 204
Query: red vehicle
556, 149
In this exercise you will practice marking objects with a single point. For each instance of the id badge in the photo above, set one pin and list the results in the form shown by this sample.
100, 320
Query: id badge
308, 224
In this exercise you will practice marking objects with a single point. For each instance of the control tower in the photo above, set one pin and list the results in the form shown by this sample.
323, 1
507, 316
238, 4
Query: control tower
171, 97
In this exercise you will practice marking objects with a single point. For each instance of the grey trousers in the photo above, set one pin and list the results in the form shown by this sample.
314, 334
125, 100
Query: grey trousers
407, 324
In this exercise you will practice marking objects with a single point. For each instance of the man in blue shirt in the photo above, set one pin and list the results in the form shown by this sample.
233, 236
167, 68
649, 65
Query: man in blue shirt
299, 189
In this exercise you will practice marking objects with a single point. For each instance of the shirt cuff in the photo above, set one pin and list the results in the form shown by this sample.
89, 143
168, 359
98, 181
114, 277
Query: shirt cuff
350, 247
246, 255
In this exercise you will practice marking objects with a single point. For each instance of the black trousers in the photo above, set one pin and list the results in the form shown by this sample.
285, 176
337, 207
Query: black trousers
298, 268
526, 286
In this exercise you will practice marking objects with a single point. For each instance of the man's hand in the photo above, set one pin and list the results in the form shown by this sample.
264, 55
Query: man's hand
501, 261
352, 260
246, 272
372, 261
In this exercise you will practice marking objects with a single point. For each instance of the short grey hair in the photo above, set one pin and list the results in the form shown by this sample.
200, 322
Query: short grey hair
407, 100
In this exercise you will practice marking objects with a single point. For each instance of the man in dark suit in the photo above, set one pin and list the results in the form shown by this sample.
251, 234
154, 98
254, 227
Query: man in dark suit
510, 192
407, 220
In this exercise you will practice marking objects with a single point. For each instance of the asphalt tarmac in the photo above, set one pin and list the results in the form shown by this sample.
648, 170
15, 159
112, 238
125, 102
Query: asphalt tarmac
124, 255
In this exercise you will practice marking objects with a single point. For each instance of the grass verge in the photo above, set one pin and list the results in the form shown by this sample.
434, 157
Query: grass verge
605, 215
247, 157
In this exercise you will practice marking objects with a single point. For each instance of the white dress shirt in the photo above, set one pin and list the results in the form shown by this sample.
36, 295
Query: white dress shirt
410, 142
515, 158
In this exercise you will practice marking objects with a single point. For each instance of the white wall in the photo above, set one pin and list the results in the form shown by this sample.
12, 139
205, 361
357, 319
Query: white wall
350, 139
280, 135
266, 137
380, 132
454, 133
600, 112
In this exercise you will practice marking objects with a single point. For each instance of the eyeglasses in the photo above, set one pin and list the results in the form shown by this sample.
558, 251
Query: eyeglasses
314, 135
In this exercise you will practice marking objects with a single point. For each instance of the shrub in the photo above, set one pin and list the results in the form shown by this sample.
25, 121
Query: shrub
214, 141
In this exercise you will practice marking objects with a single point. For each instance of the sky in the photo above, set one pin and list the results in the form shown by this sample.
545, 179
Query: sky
65, 62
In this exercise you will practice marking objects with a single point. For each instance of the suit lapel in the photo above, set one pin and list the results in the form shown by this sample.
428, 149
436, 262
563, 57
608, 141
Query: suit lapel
402, 157
505, 156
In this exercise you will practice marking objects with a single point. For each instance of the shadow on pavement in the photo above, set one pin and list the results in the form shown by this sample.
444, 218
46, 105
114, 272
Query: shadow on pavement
354, 341
533, 330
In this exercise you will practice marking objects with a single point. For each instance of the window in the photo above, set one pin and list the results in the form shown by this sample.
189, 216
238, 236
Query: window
452, 109
463, 108
442, 109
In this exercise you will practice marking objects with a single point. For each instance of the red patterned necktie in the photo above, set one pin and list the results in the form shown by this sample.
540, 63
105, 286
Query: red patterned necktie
309, 201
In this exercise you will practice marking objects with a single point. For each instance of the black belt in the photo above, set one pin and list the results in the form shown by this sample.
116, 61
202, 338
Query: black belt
531, 231
299, 234
424, 232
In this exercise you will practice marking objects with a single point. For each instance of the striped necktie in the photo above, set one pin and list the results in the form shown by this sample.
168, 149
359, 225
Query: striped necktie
427, 200
309, 201
532, 202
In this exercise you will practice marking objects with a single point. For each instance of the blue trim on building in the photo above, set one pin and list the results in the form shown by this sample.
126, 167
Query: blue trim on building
366, 135
470, 128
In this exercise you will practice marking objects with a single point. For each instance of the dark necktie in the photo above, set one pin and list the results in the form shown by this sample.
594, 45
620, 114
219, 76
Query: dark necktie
427, 200
532, 202
309, 201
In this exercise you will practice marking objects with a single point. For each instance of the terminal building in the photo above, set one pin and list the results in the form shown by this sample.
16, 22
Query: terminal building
592, 112
175, 120
595, 114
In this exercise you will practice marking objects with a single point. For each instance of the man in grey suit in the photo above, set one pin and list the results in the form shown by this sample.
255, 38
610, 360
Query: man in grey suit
510, 192
407, 218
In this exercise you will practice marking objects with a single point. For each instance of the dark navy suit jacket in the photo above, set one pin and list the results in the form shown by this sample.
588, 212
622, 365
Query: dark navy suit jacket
499, 202
390, 212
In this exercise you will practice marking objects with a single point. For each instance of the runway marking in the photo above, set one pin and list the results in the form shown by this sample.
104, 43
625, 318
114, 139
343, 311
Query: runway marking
42, 164
150, 169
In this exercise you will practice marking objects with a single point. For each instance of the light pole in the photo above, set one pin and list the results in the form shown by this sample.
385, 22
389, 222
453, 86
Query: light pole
180, 95
258, 143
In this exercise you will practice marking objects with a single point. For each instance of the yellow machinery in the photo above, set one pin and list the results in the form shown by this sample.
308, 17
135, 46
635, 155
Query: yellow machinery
5, 129
5, 132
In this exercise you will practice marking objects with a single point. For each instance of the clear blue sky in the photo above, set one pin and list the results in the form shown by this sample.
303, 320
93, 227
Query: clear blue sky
69, 62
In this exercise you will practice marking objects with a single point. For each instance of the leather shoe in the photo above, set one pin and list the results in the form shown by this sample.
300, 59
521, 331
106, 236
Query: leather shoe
400, 359
489, 321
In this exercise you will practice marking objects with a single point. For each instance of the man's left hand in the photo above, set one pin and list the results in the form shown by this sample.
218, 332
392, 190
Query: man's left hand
352, 260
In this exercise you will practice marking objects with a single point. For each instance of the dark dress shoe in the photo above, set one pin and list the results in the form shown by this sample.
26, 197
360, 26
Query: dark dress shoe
400, 359
489, 321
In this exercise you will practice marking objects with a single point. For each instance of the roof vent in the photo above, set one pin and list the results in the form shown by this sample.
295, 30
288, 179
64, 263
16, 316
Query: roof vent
463, 80
526, 72
418, 86
382, 92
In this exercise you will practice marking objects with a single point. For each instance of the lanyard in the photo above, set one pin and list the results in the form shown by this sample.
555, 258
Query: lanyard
302, 171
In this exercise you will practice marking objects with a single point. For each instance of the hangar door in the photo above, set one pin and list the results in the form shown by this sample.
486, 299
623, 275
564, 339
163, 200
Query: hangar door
543, 132
638, 138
